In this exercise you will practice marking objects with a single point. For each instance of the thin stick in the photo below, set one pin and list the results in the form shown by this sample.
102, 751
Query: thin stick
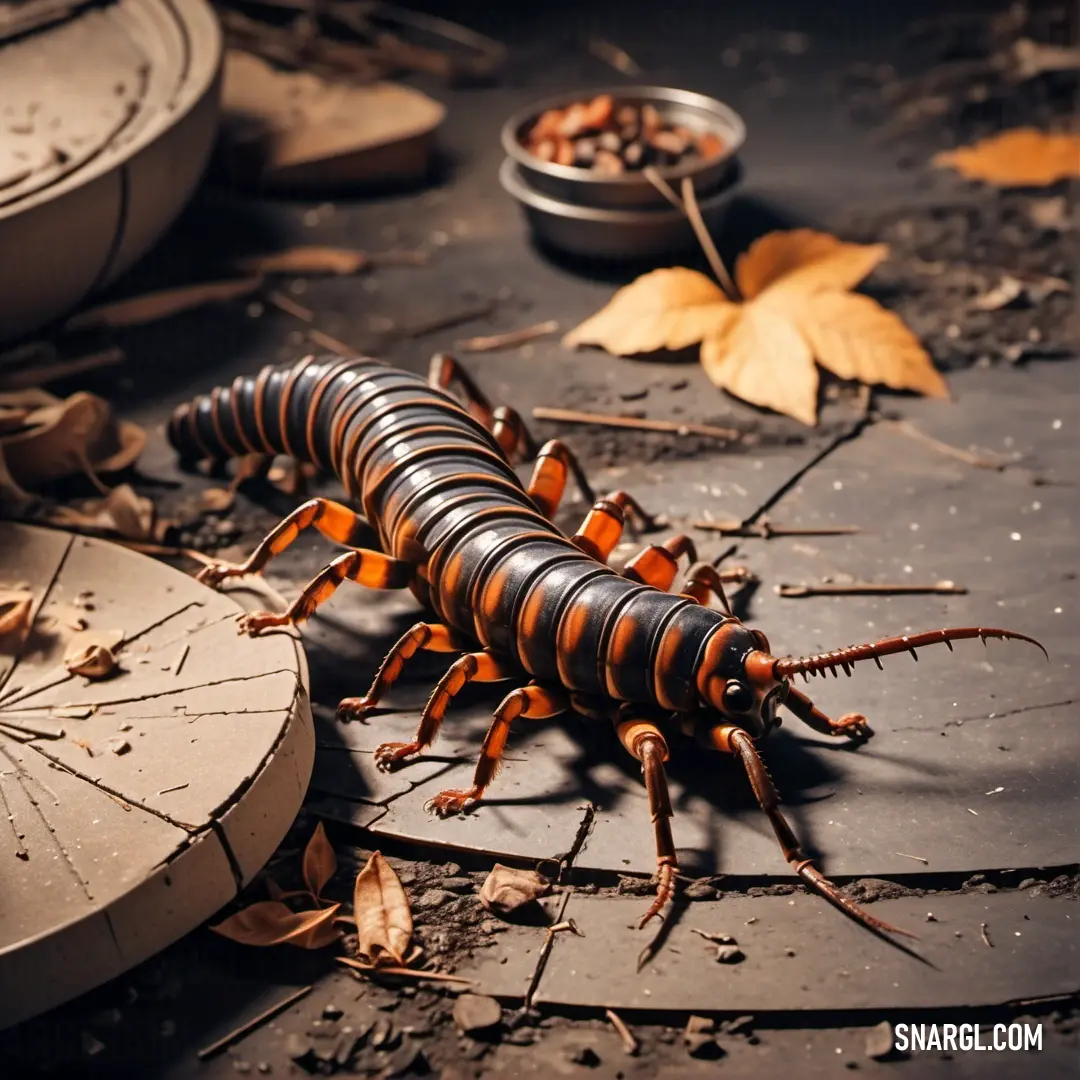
670, 427
249, 1026
764, 530
402, 972
984, 931
617, 58
793, 592
445, 322
316, 336
629, 1040
509, 339
688, 205
30, 376
917, 858
912, 432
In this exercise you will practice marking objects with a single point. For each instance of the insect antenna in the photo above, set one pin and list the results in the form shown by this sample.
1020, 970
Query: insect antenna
844, 658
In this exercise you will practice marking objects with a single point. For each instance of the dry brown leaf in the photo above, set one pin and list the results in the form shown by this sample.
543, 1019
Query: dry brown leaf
306, 260
150, 307
505, 889
1023, 157
15, 608
796, 310
270, 922
63, 438
320, 862
122, 511
381, 908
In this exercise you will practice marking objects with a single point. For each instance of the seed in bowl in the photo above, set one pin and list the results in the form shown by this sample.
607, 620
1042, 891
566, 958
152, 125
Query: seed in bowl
611, 137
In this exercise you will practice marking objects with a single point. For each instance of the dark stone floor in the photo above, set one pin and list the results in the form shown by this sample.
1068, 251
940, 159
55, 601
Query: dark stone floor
973, 767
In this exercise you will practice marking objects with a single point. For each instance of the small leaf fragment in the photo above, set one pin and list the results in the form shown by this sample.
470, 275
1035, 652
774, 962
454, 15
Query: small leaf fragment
381, 908
1021, 157
15, 608
270, 922
506, 889
320, 862
217, 500
92, 653
306, 260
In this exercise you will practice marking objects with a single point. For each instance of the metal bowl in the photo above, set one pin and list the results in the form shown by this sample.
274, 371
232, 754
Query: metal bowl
599, 233
582, 186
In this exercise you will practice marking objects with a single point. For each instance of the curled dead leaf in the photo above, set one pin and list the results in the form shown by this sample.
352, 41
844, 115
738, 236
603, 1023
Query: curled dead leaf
270, 922
15, 608
217, 500
1022, 157
60, 438
320, 862
122, 511
92, 653
505, 889
381, 908
796, 310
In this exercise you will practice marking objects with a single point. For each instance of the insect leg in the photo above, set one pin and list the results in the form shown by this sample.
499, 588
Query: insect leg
472, 667
338, 523
528, 703
658, 564
372, 569
505, 424
853, 725
603, 525
430, 637
735, 741
645, 742
705, 579
553, 465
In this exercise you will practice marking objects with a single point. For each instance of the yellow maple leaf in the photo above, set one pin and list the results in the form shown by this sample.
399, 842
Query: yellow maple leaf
1023, 157
796, 309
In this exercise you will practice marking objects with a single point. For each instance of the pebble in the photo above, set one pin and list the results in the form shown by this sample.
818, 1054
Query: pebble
586, 1056
879, 1041
332, 1012
458, 884
699, 890
297, 1046
433, 898
475, 1012
730, 954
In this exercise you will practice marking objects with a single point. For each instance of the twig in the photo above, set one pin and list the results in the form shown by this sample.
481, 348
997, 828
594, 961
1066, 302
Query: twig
629, 1040
298, 311
765, 530
917, 858
670, 427
542, 956
615, 57
509, 339
250, 1025
31, 376
402, 972
912, 432
984, 931
445, 322
793, 592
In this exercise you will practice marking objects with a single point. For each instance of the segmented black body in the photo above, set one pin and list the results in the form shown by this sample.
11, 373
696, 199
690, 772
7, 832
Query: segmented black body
426, 473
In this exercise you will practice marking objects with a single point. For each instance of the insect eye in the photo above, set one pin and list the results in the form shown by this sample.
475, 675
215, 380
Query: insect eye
737, 697
761, 640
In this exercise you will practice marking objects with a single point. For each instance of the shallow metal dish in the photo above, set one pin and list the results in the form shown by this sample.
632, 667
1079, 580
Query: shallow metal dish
598, 233
695, 111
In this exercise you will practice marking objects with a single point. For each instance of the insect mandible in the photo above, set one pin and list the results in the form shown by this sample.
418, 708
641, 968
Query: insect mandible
513, 595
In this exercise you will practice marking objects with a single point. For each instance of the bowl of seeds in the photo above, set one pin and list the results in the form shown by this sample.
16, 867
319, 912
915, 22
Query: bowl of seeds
591, 149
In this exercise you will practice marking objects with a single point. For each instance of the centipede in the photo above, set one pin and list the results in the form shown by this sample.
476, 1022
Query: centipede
429, 467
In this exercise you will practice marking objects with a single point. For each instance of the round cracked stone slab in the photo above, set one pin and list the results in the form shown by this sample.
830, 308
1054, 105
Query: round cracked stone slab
136, 805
